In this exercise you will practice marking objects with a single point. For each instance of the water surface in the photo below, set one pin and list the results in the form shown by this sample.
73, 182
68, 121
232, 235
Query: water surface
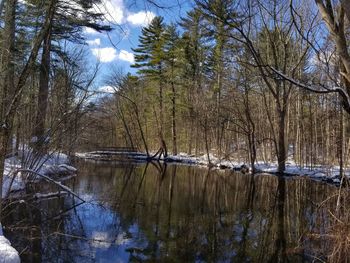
157, 213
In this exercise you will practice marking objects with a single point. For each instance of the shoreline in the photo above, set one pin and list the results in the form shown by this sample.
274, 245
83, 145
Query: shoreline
321, 173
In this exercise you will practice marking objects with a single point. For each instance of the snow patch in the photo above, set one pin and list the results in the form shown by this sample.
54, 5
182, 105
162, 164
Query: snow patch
50, 164
7, 253
100, 240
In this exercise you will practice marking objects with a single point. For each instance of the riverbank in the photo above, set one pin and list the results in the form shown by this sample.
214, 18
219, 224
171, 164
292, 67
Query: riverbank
329, 174
51, 164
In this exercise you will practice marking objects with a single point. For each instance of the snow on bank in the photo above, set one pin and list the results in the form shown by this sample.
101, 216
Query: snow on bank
49, 164
7, 253
55, 163
323, 173
319, 172
11, 165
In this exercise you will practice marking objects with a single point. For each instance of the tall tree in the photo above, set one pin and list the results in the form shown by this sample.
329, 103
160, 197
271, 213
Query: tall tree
194, 65
150, 58
70, 17
7, 84
9, 104
172, 46
218, 34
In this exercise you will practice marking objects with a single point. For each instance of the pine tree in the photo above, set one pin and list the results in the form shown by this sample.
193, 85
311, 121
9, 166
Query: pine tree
195, 53
218, 37
171, 47
70, 17
150, 58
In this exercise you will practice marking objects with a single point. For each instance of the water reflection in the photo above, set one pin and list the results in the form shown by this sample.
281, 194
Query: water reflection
172, 214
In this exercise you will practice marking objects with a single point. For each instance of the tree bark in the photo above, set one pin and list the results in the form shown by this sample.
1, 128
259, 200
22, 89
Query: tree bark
39, 129
282, 141
173, 113
7, 83
346, 6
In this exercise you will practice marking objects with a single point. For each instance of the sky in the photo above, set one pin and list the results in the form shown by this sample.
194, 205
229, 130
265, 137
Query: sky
127, 17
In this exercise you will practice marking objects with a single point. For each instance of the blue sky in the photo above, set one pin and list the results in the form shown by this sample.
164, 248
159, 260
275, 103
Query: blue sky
127, 17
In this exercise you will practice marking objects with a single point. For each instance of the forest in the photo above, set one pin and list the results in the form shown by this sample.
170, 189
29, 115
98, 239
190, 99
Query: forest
265, 87
262, 85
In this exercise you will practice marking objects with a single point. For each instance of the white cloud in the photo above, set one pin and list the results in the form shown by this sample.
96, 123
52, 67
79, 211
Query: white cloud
105, 55
107, 89
109, 54
90, 31
113, 10
126, 56
94, 42
141, 18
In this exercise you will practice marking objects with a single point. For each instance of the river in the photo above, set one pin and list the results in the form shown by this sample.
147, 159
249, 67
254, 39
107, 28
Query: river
173, 213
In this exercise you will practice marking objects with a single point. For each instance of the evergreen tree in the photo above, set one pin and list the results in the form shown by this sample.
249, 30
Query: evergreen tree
150, 58
172, 46
69, 19
218, 37
195, 53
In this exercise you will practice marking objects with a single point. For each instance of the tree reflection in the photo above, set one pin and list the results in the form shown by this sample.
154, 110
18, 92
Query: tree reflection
279, 255
167, 213
247, 218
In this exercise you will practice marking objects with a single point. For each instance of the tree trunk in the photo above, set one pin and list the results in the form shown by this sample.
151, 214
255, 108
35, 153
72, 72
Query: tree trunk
161, 116
206, 140
8, 49
252, 150
341, 143
126, 127
161, 107
282, 142
173, 113
7, 84
39, 129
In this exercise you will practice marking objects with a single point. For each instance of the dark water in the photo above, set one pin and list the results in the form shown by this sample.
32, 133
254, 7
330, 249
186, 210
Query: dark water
172, 214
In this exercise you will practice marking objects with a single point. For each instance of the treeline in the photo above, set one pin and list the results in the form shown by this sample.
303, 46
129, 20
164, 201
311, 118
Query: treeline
247, 80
